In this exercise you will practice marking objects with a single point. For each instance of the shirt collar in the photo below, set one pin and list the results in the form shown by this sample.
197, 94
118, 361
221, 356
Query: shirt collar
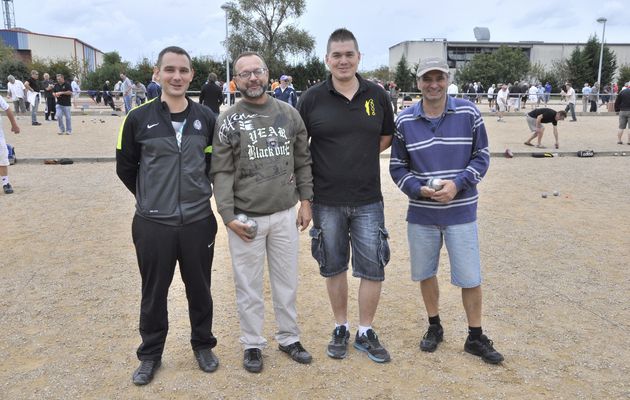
362, 84
418, 111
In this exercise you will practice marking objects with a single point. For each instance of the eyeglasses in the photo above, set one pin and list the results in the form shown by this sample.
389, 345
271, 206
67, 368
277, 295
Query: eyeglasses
257, 73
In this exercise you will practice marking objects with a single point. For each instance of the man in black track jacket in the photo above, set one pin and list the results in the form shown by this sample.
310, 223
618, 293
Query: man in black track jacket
163, 157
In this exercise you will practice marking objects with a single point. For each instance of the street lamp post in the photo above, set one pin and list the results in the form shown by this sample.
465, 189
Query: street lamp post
226, 7
601, 56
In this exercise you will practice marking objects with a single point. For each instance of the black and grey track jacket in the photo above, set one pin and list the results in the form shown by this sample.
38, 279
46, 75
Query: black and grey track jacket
171, 186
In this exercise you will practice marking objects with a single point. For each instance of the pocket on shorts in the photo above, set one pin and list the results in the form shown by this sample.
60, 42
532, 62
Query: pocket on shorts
317, 246
383, 247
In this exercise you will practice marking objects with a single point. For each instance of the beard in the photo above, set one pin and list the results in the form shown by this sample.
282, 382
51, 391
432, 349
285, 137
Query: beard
253, 93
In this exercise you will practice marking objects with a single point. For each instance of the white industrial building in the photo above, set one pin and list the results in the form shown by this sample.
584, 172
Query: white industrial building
30, 46
458, 54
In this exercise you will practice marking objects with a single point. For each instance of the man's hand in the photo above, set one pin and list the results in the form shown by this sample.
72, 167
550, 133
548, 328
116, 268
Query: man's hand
304, 215
444, 195
240, 229
15, 129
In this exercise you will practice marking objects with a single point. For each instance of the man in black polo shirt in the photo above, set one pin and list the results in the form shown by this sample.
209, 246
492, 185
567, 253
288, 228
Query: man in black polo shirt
349, 121
35, 88
63, 93
539, 116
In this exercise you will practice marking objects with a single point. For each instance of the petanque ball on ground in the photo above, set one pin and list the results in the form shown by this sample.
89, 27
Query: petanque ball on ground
544, 195
556, 193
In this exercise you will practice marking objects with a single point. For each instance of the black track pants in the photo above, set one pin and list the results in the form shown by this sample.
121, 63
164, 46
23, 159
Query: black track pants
158, 248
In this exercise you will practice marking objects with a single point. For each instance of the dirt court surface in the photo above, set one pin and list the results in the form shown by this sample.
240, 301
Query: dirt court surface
556, 286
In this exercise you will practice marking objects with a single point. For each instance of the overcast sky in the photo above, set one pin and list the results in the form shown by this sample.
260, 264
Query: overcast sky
141, 28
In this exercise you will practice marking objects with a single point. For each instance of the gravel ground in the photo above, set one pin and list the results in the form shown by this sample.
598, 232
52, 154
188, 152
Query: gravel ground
556, 288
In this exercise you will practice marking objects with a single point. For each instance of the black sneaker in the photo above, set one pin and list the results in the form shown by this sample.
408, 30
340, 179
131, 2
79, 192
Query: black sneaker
338, 345
145, 372
484, 349
8, 189
252, 360
431, 339
297, 352
368, 342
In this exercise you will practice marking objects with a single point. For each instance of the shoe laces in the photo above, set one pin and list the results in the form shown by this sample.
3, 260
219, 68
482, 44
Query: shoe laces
254, 354
432, 331
339, 334
489, 344
372, 338
146, 367
297, 347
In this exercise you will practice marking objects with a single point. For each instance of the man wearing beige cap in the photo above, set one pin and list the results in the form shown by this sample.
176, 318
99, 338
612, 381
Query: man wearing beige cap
439, 155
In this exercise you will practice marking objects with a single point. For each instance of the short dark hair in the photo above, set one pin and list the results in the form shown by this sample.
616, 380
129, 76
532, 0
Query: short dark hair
247, 54
173, 49
341, 35
212, 77
562, 113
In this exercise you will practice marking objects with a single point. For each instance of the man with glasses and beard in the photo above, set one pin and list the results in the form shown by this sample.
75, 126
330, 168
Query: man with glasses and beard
261, 167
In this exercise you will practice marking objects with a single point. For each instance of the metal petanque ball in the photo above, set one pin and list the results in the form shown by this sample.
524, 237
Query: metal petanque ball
435, 183
241, 218
544, 195
556, 193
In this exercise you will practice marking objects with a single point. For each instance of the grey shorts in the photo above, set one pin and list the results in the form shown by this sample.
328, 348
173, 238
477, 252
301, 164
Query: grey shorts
531, 122
624, 119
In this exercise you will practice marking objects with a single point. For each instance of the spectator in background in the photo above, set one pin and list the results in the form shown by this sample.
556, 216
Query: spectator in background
502, 102
127, 91
570, 95
153, 89
211, 95
491, 96
452, 90
76, 90
48, 85
394, 91
15, 90
232, 88
285, 93
547, 92
141, 92
593, 97
622, 106
34, 95
586, 92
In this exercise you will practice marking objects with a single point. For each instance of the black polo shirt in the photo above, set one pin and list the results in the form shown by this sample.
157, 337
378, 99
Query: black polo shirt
34, 83
64, 99
548, 114
344, 141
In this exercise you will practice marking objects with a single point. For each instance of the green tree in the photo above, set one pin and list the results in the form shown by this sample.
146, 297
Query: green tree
264, 26
583, 64
203, 66
504, 65
404, 77
13, 67
109, 71
381, 73
142, 72
624, 75
312, 70
6, 52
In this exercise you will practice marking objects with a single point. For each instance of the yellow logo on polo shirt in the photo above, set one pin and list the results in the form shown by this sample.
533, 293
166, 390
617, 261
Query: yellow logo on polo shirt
369, 107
